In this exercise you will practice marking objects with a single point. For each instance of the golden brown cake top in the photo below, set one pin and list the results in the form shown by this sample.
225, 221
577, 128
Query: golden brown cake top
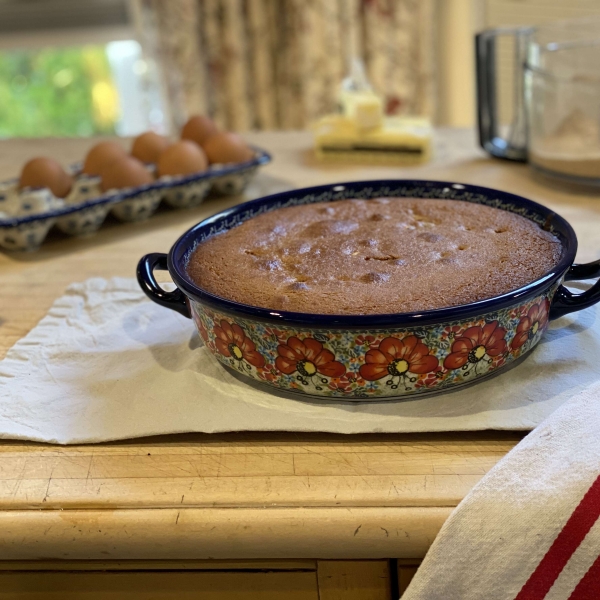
387, 255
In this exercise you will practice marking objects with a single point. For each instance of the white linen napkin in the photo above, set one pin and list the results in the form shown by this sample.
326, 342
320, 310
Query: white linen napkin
529, 530
106, 363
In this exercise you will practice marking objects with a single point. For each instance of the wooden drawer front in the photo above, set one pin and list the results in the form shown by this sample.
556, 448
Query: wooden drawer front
354, 580
140, 585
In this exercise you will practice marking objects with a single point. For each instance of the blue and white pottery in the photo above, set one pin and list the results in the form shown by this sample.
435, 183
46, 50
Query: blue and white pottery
84, 221
27, 235
85, 208
35, 201
87, 220
233, 183
187, 195
85, 187
31, 205
381, 356
141, 206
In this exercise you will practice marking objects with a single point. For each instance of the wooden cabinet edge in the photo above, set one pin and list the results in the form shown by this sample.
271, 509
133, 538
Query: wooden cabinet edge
185, 534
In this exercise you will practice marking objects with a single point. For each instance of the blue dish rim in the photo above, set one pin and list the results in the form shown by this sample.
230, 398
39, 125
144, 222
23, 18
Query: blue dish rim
184, 246
262, 158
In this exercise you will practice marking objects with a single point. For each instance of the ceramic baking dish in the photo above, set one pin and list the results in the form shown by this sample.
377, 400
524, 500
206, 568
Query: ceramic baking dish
374, 357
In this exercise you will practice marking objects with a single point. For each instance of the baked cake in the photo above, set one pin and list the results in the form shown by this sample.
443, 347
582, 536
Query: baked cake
387, 255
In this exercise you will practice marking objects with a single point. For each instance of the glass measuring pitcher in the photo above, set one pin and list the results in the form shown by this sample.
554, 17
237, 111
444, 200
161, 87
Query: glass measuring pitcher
556, 122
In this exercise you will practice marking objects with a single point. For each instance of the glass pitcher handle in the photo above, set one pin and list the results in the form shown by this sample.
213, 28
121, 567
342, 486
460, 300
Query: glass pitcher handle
514, 147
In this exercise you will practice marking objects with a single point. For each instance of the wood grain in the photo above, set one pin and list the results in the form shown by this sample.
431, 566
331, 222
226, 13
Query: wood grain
406, 572
219, 533
250, 470
148, 497
354, 580
159, 586
237, 496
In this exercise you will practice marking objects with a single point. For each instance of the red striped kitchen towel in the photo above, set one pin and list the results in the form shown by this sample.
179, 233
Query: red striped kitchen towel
530, 529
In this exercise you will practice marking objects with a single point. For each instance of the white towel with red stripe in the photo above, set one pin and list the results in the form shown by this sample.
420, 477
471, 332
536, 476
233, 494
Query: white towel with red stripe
530, 529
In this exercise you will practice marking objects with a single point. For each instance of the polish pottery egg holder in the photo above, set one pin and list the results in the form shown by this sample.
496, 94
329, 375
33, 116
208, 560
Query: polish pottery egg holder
27, 215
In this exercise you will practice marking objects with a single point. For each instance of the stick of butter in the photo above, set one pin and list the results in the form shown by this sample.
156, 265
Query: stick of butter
349, 138
365, 108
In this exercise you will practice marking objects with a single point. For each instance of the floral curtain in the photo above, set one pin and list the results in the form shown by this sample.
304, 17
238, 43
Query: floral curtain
277, 64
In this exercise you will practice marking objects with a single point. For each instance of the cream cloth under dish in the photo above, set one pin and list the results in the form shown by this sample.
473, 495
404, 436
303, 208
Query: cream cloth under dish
106, 363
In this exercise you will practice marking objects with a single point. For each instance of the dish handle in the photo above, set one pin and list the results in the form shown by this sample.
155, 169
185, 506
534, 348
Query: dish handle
565, 301
174, 300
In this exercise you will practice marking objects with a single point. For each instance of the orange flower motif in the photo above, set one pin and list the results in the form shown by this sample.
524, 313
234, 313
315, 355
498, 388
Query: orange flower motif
338, 386
397, 358
475, 343
431, 380
452, 331
203, 332
366, 340
308, 357
268, 373
201, 328
231, 341
276, 333
535, 319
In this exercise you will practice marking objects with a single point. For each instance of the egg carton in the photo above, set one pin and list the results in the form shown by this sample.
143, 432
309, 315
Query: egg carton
26, 216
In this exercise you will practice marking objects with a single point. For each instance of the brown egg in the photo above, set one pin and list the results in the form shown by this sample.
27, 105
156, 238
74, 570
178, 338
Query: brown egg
227, 148
46, 173
198, 129
182, 158
148, 146
124, 172
100, 155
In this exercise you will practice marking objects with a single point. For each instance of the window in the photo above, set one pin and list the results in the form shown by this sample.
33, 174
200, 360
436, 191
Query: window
72, 68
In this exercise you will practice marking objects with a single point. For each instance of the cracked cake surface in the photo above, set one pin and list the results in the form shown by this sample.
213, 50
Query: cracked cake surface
381, 256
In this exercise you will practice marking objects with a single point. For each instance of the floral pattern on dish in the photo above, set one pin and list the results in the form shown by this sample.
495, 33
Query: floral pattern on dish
529, 324
476, 344
308, 359
232, 342
378, 363
399, 361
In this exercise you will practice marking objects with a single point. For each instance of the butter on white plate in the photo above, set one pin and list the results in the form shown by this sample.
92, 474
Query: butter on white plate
362, 134
399, 140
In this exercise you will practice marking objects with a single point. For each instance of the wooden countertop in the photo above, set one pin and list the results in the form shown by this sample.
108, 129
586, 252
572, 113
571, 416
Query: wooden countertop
244, 496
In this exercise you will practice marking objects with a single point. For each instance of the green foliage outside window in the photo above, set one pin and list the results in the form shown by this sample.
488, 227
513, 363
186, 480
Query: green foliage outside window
56, 92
